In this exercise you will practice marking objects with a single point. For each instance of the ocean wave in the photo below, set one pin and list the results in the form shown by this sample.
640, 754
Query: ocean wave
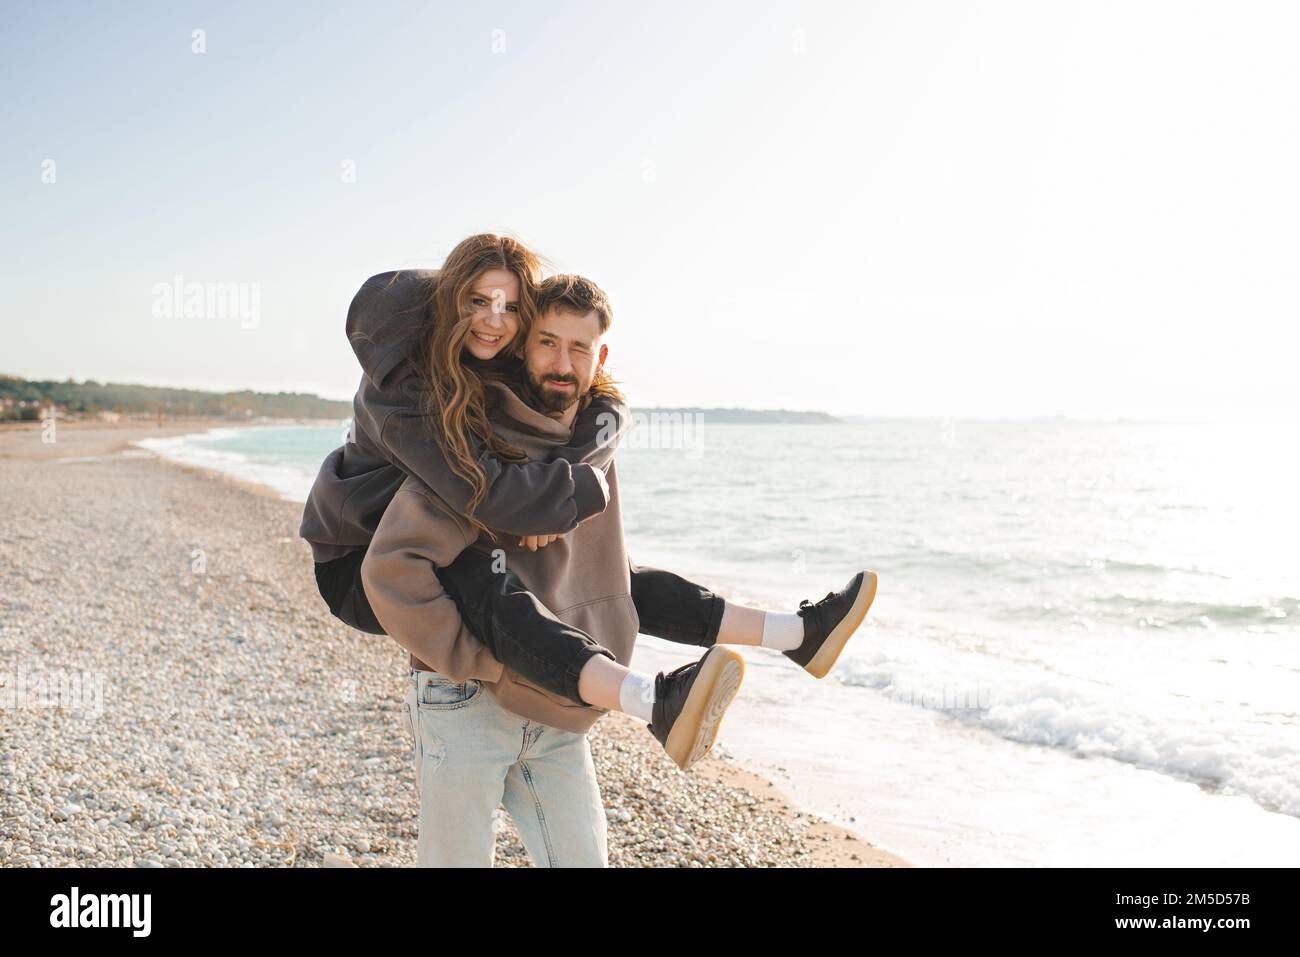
217, 434
1225, 746
1162, 612
922, 555
1128, 565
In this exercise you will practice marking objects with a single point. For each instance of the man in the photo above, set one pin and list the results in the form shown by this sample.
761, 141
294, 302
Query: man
487, 735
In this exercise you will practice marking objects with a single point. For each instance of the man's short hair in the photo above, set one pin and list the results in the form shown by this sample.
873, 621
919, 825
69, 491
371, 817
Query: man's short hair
576, 294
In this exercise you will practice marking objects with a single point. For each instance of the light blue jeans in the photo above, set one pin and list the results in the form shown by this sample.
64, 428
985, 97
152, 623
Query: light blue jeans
472, 755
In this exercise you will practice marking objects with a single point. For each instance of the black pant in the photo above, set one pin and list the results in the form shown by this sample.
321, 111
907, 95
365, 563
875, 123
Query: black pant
519, 630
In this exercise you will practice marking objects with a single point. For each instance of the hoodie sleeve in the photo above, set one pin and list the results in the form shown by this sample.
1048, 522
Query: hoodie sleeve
416, 536
533, 498
597, 432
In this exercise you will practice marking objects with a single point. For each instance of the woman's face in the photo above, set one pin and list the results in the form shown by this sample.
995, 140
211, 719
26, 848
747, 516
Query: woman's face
494, 313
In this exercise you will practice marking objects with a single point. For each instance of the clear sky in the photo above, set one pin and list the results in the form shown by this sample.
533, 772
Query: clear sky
905, 208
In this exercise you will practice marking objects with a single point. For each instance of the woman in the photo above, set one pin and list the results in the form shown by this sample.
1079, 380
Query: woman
421, 407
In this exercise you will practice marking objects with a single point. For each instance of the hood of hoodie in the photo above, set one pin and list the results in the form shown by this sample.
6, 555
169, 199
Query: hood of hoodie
387, 313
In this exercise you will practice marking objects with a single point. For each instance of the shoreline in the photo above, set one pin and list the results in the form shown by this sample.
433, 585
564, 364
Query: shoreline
258, 584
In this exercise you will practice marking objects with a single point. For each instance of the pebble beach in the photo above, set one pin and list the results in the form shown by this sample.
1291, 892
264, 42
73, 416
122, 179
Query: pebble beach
215, 714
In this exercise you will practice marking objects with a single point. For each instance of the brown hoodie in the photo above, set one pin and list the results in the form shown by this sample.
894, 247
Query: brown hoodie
583, 578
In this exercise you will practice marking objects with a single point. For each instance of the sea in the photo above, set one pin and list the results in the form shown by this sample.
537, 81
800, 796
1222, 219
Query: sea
1084, 651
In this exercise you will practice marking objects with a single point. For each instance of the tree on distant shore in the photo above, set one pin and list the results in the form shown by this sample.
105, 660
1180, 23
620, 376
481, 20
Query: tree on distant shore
91, 397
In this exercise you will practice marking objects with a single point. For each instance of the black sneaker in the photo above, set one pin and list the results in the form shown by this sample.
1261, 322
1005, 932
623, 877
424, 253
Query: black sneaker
690, 702
828, 624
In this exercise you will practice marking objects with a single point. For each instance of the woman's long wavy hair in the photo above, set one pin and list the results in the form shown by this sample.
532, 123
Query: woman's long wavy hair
453, 400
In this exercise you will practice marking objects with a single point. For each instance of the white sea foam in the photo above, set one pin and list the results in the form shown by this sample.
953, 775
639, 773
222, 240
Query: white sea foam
1229, 727
293, 482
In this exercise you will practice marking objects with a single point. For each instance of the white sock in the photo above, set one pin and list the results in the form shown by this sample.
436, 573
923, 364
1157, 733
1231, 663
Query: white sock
636, 696
782, 631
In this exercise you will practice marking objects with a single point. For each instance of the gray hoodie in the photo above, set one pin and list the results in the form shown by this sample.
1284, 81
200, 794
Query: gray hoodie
583, 578
390, 440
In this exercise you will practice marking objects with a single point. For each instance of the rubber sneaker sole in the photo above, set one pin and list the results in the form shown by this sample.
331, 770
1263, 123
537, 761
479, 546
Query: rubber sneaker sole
822, 662
696, 728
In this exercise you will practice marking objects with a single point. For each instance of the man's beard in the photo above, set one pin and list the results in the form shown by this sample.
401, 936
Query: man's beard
548, 399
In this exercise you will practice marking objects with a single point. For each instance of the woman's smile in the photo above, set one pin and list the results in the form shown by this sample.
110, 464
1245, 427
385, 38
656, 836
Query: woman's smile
493, 311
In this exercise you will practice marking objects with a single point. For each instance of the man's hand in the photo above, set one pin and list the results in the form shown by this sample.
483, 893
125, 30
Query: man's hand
534, 542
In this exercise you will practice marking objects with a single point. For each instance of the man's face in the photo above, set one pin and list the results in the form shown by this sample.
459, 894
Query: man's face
562, 356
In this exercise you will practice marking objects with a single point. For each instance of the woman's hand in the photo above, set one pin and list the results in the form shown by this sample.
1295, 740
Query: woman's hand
534, 542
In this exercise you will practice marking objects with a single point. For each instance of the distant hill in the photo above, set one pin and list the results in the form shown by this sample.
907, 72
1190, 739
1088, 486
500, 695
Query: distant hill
758, 416
25, 398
